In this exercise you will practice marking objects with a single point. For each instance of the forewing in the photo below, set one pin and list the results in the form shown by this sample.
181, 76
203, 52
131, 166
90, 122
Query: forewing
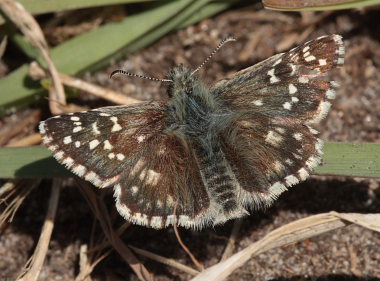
270, 144
287, 85
155, 178
98, 145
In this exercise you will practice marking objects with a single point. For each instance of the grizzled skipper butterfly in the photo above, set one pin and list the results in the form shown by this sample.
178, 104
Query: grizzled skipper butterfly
208, 154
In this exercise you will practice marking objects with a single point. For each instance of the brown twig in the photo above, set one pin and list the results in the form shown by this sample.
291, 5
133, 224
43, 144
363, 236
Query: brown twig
85, 265
37, 73
29, 140
232, 240
184, 247
164, 260
101, 213
33, 269
95, 90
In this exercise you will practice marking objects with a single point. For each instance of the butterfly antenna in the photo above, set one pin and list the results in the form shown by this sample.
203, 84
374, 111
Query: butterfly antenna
224, 41
123, 72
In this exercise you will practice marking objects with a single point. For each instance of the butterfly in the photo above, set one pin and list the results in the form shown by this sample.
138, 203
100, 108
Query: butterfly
207, 155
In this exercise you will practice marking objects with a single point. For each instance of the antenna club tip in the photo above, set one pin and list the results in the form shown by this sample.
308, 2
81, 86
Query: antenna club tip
113, 73
230, 38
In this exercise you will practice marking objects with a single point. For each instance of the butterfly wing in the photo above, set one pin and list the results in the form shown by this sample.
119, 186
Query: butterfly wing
155, 179
271, 145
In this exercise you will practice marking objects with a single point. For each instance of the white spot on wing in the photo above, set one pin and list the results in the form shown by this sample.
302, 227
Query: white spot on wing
59, 155
77, 144
297, 136
116, 126
107, 145
67, 140
273, 138
141, 138
322, 62
330, 94
150, 177
291, 180
93, 144
309, 58
111, 155
41, 127
287, 105
258, 102
77, 129
120, 156
95, 129
303, 174
135, 189
79, 170
273, 78
303, 79
295, 99
292, 89
74, 118
68, 161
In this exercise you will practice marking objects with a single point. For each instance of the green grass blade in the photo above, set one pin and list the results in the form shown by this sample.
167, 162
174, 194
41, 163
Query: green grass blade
80, 53
42, 6
351, 159
344, 159
95, 48
36, 7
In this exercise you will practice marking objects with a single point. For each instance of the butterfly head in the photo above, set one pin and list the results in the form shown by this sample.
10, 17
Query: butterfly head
183, 81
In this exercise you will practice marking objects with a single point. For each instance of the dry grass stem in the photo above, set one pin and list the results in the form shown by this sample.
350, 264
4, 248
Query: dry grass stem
14, 127
3, 46
85, 265
184, 247
6, 188
101, 213
22, 189
232, 240
290, 233
33, 271
32, 31
29, 140
161, 259
98, 91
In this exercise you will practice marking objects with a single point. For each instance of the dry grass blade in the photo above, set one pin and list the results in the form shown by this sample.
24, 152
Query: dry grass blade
370, 221
34, 268
164, 260
98, 91
101, 213
186, 249
20, 189
37, 72
285, 235
3, 46
27, 141
85, 265
30, 28
232, 240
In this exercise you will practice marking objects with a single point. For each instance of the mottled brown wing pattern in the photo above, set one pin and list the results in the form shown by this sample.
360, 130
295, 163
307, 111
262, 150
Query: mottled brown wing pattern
164, 187
267, 157
271, 145
155, 179
287, 85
